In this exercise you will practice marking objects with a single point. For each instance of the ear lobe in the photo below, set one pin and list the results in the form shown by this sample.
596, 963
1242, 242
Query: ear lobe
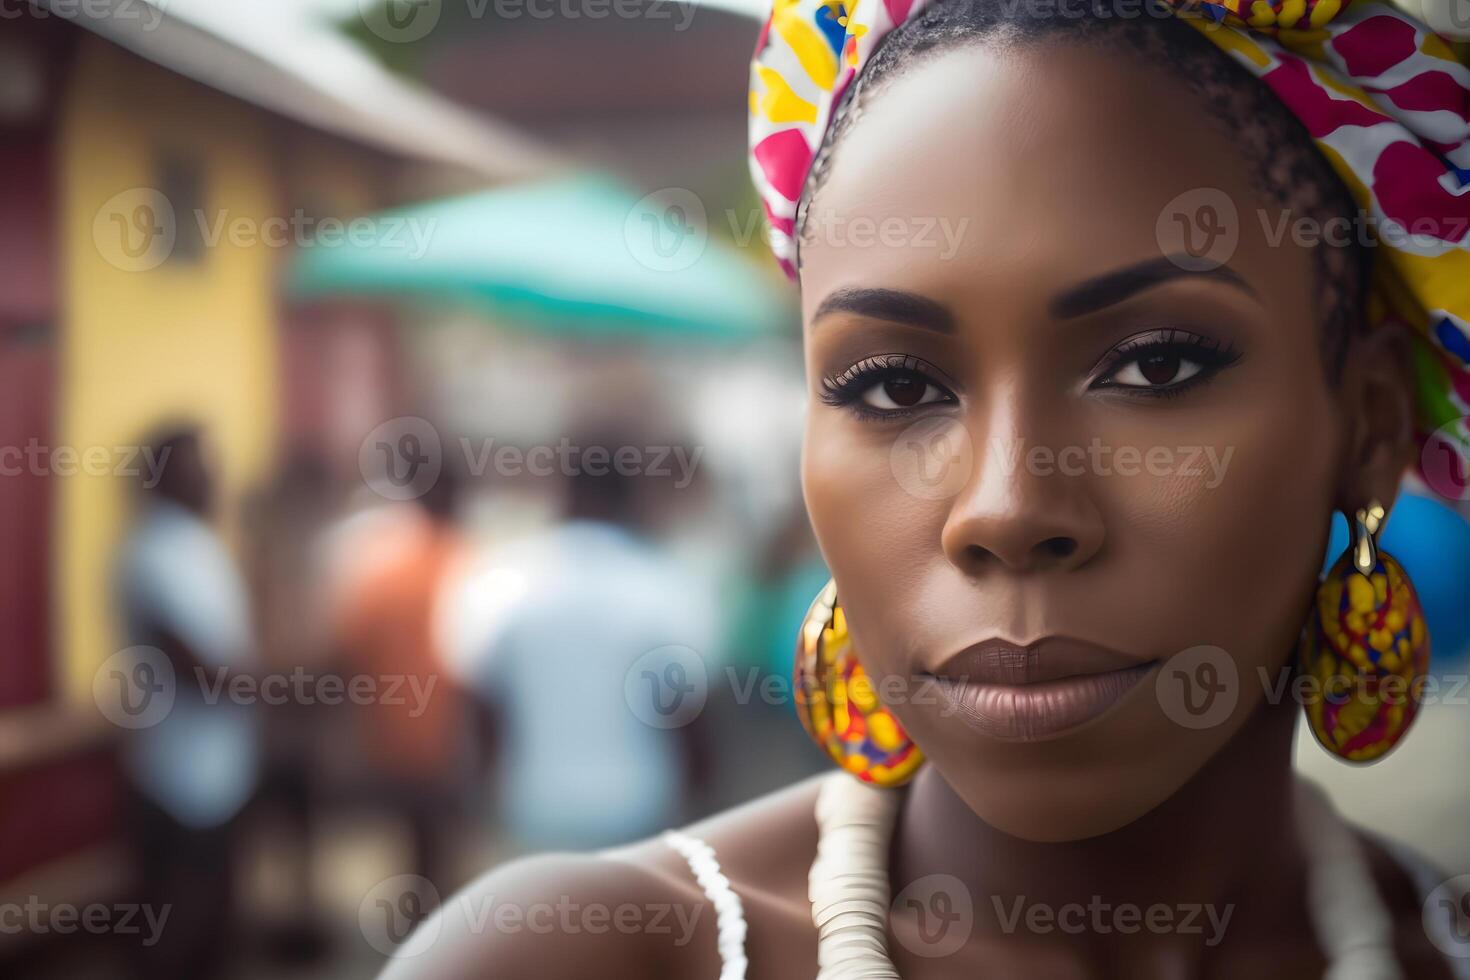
1377, 397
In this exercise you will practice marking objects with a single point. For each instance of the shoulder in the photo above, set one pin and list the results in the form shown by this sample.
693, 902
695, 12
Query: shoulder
1405, 880
636, 908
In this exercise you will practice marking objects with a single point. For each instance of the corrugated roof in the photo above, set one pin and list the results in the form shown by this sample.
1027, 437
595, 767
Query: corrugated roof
319, 79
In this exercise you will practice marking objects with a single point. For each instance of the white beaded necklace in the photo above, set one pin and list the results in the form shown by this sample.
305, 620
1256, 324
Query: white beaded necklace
849, 890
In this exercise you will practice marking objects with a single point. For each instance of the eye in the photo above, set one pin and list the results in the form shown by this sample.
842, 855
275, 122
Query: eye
902, 390
1163, 362
1154, 369
890, 385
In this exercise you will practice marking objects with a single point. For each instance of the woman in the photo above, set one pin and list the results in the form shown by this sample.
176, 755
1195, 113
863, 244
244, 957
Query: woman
1072, 463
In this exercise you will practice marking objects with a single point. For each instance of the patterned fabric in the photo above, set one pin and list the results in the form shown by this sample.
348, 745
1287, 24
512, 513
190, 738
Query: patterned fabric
838, 706
1367, 651
1383, 97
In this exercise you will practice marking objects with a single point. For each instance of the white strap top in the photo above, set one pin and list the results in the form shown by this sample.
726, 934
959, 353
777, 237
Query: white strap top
729, 914
731, 926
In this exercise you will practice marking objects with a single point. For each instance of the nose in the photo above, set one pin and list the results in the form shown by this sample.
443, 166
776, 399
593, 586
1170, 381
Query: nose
1027, 507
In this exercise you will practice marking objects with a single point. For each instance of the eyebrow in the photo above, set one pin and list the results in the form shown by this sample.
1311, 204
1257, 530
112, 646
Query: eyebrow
895, 305
1114, 287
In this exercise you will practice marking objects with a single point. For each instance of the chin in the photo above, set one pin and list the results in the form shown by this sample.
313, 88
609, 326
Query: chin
1037, 810
1089, 783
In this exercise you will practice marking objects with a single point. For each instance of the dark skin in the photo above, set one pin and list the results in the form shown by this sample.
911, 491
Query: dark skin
1130, 806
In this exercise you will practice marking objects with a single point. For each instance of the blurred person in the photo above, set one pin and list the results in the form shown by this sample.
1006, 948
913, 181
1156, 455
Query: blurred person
192, 772
575, 673
413, 738
1049, 693
285, 526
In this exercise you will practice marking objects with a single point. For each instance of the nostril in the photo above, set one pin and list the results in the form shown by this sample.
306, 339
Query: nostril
1059, 547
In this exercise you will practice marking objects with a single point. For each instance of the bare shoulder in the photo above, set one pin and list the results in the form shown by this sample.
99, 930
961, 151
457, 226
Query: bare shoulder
636, 908
1401, 896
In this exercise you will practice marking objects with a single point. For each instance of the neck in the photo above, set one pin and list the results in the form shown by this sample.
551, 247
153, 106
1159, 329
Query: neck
1225, 844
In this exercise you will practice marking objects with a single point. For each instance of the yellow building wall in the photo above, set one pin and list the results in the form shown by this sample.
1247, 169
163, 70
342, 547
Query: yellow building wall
184, 340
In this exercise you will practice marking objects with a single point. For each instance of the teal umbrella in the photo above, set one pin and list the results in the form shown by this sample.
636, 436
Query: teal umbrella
579, 255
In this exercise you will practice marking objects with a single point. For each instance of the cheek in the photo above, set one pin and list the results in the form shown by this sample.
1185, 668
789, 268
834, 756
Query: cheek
877, 538
1234, 533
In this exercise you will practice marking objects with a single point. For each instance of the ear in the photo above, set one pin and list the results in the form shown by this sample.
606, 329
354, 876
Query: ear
1377, 401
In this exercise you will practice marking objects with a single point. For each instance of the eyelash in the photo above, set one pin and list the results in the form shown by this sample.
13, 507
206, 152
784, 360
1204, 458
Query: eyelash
847, 389
1210, 355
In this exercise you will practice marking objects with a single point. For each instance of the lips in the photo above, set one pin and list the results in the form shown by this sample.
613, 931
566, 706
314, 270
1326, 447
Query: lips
1037, 691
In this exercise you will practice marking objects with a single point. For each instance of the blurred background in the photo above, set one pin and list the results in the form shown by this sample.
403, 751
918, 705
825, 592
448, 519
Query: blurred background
399, 426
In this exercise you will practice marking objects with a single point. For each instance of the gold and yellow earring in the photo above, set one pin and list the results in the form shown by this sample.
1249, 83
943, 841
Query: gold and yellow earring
838, 706
1366, 647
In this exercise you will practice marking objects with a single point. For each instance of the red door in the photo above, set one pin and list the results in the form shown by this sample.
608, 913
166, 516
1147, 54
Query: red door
27, 398
27, 376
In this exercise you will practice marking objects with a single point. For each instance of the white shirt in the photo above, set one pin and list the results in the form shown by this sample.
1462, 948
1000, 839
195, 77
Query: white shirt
592, 752
200, 762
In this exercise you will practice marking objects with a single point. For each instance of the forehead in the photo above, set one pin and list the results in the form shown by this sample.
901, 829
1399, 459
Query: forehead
985, 167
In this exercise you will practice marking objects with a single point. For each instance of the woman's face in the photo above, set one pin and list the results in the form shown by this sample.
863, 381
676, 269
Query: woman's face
1035, 417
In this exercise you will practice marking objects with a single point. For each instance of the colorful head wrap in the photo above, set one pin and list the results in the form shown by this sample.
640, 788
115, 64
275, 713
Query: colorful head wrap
1383, 97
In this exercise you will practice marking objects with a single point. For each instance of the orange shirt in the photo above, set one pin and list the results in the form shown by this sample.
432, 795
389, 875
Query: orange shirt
395, 574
